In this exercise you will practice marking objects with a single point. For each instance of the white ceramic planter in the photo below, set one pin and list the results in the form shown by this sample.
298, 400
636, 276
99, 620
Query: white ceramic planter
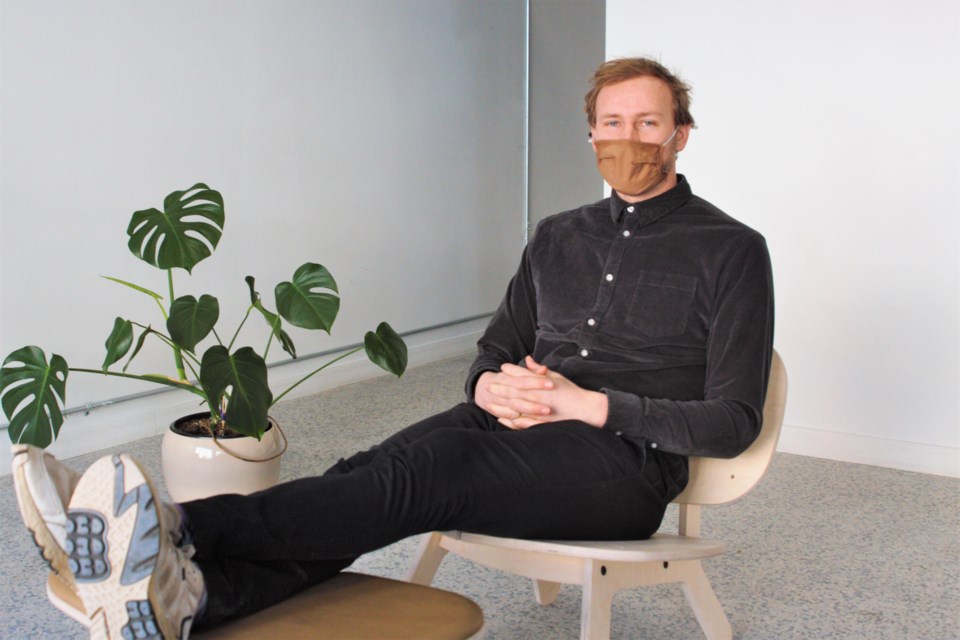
195, 467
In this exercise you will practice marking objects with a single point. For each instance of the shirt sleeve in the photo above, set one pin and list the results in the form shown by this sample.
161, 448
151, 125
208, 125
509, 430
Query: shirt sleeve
511, 334
738, 354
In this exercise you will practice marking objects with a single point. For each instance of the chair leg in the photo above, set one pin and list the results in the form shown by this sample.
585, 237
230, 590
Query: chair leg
546, 591
598, 592
696, 587
427, 561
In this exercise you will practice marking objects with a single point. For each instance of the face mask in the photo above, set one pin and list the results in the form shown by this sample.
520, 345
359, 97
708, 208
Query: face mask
630, 167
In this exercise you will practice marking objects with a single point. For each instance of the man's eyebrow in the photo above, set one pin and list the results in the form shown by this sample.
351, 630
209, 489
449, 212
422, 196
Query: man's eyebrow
640, 115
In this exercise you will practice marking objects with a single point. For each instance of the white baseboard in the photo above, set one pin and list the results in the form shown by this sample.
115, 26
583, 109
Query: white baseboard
871, 450
115, 425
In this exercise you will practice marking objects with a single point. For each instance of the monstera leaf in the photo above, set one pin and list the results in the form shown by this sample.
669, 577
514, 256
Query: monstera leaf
184, 233
302, 305
192, 320
273, 320
32, 393
386, 349
242, 377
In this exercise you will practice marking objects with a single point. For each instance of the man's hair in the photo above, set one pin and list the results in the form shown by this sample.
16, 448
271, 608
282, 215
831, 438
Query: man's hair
621, 69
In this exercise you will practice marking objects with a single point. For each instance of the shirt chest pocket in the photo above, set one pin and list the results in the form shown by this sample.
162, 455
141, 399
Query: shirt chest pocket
661, 304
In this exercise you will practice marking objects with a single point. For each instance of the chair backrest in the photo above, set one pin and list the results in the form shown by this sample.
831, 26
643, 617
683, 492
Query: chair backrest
720, 480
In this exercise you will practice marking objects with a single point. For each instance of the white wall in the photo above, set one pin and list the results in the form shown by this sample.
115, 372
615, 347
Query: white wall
834, 128
382, 138
326, 124
566, 45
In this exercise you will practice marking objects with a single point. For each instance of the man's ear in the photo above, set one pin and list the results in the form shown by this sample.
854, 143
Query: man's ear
592, 137
683, 134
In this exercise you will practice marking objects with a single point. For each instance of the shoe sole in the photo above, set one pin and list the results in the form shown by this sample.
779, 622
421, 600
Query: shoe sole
64, 597
114, 539
50, 549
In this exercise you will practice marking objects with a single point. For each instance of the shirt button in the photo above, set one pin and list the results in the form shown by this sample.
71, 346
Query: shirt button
591, 322
630, 209
619, 433
609, 277
584, 353
653, 445
626, 234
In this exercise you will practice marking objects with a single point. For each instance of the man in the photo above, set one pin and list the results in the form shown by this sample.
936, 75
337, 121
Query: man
637, 331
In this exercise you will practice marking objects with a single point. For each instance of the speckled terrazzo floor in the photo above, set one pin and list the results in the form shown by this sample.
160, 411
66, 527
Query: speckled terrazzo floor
818, 550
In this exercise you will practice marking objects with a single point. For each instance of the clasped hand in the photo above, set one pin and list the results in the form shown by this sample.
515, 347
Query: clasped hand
521, 397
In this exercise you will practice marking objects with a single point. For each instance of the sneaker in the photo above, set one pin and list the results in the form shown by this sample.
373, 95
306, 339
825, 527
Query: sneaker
133, 580
44, 486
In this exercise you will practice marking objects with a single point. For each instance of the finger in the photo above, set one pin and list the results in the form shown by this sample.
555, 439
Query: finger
541, 370
535, 367
524, 405
501, 411
511, 392
507, 423
524, 381
517, 371
525, 422
518, 401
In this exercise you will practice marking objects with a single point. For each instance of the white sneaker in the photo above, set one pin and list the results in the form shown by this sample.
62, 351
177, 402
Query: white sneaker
44, 486
130, 575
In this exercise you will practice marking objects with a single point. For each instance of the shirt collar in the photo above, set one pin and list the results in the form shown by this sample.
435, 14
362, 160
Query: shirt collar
655, 208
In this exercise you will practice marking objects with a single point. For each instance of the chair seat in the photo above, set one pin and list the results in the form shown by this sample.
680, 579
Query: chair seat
349, 605
660, 547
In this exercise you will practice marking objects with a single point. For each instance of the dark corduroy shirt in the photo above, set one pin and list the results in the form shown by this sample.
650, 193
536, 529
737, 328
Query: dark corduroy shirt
666, 306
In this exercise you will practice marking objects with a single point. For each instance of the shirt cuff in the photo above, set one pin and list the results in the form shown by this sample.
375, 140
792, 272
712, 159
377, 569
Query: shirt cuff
623, 412
474, 375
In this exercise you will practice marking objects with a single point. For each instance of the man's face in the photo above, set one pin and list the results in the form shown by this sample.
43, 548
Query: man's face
640, 109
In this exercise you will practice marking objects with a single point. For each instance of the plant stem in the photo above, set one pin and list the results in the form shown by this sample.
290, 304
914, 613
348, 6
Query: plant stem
266, 350
163, 311
176, 384
177, 356
313, 373
193, 371
237, 332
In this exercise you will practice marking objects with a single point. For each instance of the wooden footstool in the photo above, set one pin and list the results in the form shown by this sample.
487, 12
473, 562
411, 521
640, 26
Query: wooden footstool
348, 606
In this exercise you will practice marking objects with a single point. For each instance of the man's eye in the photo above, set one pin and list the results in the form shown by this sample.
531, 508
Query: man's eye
612, 123
649, 123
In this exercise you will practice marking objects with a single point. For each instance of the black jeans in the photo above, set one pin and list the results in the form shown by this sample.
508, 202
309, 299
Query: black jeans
456, 470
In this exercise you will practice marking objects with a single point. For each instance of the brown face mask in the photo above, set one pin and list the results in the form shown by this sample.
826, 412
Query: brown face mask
631, 167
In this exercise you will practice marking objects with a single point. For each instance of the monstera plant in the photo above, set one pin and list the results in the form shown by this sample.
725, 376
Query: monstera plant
231, 380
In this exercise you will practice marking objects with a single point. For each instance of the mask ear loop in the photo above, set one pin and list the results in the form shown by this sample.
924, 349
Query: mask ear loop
664, 168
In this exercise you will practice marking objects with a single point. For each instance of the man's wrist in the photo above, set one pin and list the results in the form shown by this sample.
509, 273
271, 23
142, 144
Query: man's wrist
597, 409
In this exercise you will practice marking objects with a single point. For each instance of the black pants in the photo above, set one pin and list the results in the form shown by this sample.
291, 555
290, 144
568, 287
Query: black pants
456, 470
